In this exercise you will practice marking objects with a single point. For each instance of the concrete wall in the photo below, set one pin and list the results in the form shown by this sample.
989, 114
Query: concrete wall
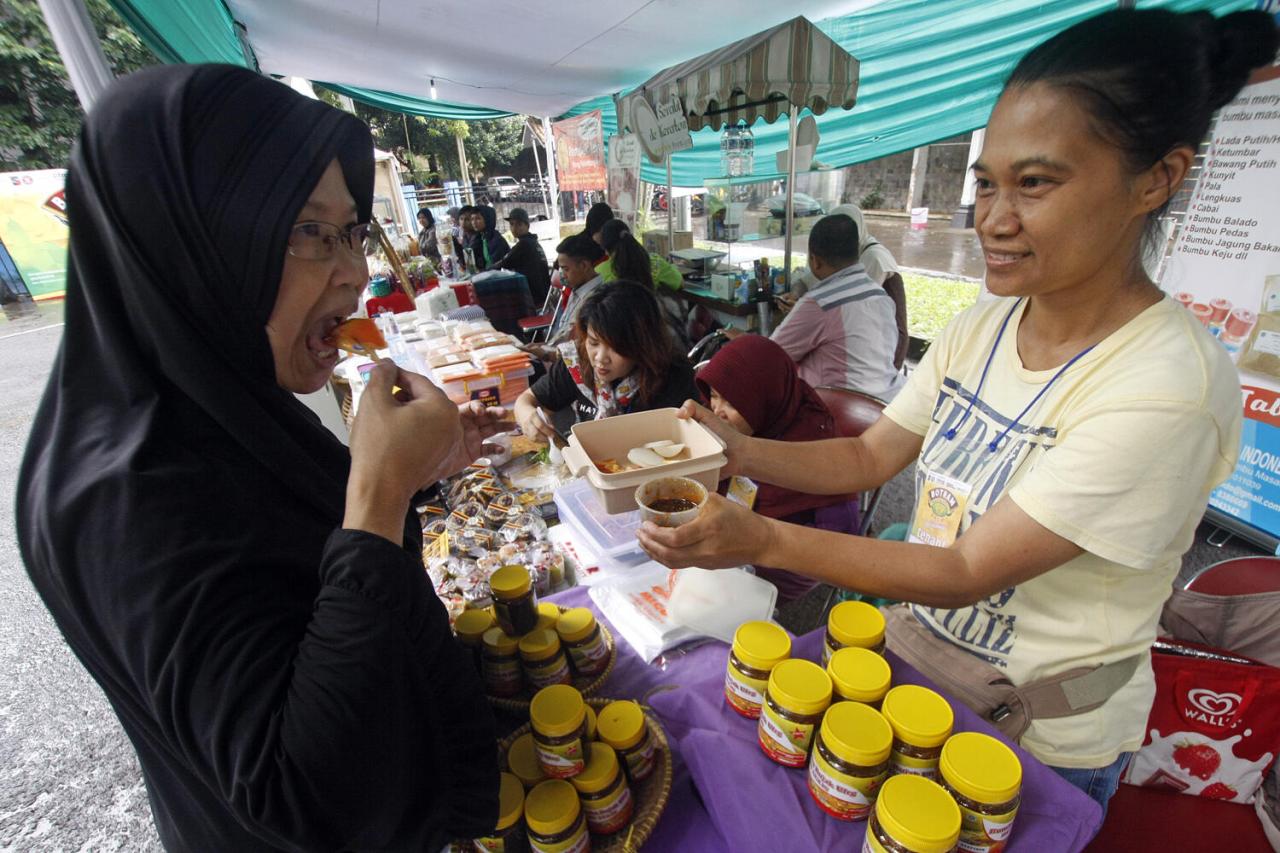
947, 164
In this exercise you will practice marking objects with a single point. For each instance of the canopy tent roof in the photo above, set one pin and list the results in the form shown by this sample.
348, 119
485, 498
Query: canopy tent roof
928, 70
761, 75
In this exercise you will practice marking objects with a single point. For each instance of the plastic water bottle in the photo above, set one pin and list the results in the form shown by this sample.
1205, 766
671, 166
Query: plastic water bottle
737, 150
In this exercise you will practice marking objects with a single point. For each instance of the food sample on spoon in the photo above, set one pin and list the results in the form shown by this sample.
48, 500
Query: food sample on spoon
358, 336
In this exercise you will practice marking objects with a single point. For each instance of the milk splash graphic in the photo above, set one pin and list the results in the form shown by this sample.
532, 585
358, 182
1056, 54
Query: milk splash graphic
1155, 765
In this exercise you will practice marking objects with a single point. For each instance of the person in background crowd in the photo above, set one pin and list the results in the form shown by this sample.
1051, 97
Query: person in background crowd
466, 237
752, 385
597, 216
491, 247
628, 260
1065, 435
427, 244
881, 268
526, 256
576, 257
621, 361
455, 229
842, 332
287, 674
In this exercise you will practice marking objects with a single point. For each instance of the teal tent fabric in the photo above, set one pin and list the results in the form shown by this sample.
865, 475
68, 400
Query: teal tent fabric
929, 71
184, 30
416, 106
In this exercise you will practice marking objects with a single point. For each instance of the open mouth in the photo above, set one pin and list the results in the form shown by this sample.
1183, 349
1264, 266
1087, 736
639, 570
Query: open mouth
1003, 260
320, 339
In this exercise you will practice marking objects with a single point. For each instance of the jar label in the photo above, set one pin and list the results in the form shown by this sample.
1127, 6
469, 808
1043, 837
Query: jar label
829, 648
502, 677
641, 762
545, 676
842, 796
562, 760
608, 816
492, 845
590, 658
576, 843
744, 695
784, 741
870, 845
984, 833
926, 767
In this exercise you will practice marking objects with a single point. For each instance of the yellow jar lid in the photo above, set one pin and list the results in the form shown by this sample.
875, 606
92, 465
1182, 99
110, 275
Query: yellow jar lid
510, 801
919, 716
800, 686
557, 710
856, 623
576, 624
496, 640
601, 769
918, 814
857, 734
546, 608
981, 768
522, 759
539, 645
548, 616
551, 807
471, 625
859, 674
622, 724
761, 645
510, 582
591, 723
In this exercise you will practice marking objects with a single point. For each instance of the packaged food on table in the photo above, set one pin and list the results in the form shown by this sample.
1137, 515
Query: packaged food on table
850, 760
757, 648
859, 675
559, 720
588, 652
489, 562
544, 659
436, 527
622, 725
797, 695
511, 552
985, 778
912, 815
524, 527
500, 664
501, 508
603, 790
509, 836
554, 818
921, 721
522, 760
546, 560
515, 603
470, 512
853, 623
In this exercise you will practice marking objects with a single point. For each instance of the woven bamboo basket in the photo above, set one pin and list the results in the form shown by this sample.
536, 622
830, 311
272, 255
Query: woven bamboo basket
650, 796
586, 686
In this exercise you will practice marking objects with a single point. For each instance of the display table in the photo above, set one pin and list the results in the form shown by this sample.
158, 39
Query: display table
727, 796
736, 314
505, 298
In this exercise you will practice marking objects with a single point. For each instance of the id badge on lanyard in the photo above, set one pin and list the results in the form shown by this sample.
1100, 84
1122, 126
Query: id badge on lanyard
940, 508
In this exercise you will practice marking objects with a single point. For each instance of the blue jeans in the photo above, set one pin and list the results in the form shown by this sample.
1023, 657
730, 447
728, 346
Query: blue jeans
1098, 782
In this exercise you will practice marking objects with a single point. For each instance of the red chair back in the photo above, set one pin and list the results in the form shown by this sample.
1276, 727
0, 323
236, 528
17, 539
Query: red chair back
466, 293
1239, 576
854, 411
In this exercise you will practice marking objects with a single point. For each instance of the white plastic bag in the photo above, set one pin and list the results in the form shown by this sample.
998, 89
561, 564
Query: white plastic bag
639, 608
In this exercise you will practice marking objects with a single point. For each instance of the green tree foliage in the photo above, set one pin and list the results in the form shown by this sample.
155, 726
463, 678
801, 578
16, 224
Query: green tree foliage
431, 150
39, 113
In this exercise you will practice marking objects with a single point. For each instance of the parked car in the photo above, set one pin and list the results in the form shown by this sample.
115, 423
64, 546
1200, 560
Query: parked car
503, 187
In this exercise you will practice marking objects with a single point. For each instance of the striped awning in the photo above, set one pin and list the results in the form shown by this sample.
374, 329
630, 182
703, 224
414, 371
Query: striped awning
762, 75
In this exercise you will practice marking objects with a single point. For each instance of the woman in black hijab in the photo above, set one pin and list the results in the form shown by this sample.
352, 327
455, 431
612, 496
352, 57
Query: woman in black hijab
249, 594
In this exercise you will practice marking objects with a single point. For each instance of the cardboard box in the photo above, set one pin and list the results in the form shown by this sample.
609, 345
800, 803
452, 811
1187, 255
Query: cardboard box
656, 242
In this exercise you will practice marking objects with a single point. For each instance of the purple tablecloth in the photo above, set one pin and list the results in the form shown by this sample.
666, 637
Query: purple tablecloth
726, 795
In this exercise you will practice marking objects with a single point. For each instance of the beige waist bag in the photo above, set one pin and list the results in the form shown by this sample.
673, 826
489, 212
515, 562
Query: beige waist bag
988, 691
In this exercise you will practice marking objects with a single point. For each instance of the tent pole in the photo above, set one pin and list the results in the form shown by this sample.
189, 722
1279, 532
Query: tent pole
538, 165
553, 187
671, 210
791, 190
77, 44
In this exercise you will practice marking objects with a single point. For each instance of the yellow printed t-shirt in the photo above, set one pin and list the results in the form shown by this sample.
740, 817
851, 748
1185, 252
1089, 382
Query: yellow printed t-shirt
1119, 457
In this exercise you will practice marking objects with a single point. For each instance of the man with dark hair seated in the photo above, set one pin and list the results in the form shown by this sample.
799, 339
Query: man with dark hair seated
576, 256
843, 332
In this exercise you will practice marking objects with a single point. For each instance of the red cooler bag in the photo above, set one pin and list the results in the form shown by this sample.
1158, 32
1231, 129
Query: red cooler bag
1214, 728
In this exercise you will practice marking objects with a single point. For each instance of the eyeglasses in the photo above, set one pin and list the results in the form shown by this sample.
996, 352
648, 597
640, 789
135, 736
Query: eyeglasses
319, 241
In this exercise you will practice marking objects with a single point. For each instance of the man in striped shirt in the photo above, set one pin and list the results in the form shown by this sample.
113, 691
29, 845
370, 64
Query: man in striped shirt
843, 332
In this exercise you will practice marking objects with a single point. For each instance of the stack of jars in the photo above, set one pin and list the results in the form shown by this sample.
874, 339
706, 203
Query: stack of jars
572, 775
520, 644
886, 755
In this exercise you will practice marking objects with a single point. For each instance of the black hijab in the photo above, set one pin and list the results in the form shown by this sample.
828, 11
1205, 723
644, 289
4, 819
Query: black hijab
286, 683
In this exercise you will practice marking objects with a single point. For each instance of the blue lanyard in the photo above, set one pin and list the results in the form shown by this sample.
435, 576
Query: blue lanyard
994, 445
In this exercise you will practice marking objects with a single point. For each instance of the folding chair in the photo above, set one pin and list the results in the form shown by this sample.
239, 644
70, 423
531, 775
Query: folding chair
553, 308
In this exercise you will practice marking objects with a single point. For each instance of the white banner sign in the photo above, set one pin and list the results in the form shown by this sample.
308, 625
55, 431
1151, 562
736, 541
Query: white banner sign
624, 176
663, 132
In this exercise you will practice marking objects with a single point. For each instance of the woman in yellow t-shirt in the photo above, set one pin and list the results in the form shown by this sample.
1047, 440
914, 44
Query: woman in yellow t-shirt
1038, 562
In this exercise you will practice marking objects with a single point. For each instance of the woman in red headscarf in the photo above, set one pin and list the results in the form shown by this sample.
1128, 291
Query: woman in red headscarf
753, 385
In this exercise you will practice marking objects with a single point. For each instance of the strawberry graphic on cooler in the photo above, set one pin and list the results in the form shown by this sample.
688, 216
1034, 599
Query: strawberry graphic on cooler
1198, 759
1219, 791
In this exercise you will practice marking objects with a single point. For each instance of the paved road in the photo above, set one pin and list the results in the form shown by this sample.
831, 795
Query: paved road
68, 776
